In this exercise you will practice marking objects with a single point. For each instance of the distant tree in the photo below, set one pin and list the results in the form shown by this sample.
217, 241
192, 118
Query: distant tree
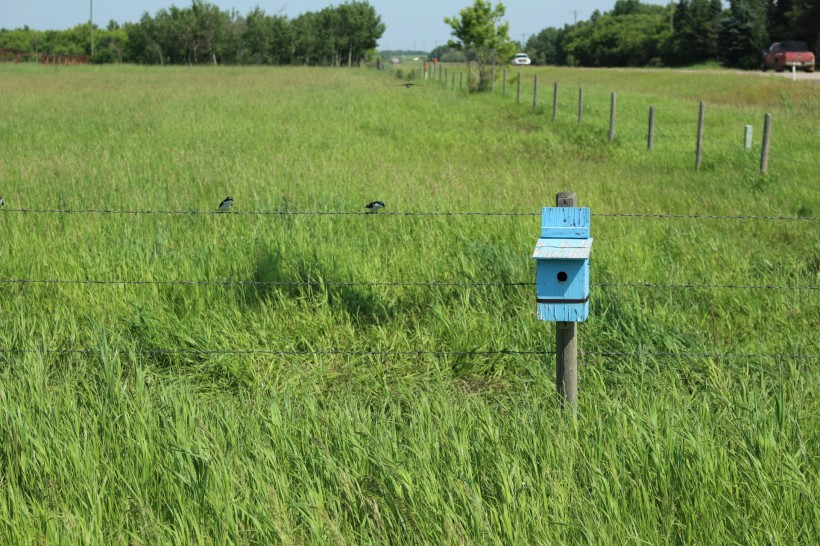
360, 27
793, 20
481, 34
547, 46
694, 38
447, 54
632, 39
743, 34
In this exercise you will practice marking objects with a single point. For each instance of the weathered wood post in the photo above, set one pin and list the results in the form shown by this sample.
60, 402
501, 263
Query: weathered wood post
747, 137
566, 340
580, 105
492, 83
764, 151
504, 82
562, 285
460, 81
650, 137
699, 149
535, 93
612, 118
555, 101
518, 90
453, 80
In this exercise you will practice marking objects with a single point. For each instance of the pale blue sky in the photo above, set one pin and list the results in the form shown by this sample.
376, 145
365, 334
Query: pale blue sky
410, 24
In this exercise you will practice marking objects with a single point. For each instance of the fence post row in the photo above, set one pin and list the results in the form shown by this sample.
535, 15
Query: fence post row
650, 138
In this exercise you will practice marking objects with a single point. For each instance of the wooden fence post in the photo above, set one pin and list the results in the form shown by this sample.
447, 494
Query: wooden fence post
566, 341
612, 118
747, 137
580, 105
699, 150
504, 83
460, 81
764, 151
535, 93
518, 90
492, 83
650, 138
555, 101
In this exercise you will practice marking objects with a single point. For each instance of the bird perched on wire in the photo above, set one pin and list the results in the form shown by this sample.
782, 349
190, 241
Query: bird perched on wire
375, 206
225, 205
408, 85
2, 202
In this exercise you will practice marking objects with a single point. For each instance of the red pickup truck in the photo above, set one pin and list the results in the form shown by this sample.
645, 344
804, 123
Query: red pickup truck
787, 54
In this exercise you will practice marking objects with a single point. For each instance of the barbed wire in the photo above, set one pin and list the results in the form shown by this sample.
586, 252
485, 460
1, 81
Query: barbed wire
408, 213
148, 282
347, 352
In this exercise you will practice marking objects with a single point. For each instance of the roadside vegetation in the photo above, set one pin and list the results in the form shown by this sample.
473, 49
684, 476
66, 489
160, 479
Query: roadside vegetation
411, 414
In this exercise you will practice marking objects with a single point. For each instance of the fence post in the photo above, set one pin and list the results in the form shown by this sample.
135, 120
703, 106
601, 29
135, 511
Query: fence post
518, 90
453, 80
580, 105
535, 93
555, 101
504, 84
612, 118
699, 150
764, 152
492, 83
747, 137
566, 341
650, 138
460, 81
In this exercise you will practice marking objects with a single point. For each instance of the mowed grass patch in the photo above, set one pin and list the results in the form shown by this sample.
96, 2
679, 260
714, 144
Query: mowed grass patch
391, 413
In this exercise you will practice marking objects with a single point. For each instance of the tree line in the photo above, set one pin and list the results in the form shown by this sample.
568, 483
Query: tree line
204, 34
681, 33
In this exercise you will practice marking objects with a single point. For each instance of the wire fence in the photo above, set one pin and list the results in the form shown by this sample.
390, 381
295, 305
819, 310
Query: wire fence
514, 284
436, 353
599, 109
409, 213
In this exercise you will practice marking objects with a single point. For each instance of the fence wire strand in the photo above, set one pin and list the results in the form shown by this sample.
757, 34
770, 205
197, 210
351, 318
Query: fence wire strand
400, 213
103, 282
436, 353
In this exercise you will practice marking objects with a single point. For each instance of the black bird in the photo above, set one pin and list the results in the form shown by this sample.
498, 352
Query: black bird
2, 202
375, 206
225, 205
408, 85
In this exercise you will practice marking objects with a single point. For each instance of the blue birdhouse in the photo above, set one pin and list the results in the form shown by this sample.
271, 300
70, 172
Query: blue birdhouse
562, 265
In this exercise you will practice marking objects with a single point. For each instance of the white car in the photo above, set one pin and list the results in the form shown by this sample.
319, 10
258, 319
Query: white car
521, 58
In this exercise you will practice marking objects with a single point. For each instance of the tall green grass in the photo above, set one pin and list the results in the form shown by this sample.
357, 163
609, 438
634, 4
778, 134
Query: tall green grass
148, 438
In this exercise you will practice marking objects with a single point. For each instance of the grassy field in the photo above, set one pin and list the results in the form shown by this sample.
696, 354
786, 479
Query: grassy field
164, 414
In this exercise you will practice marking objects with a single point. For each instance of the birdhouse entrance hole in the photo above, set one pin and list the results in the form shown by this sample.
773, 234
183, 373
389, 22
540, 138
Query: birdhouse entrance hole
562, 276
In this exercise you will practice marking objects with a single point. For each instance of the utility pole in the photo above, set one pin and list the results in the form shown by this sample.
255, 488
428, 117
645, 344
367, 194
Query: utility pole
91, 24
574, 17
671, 16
